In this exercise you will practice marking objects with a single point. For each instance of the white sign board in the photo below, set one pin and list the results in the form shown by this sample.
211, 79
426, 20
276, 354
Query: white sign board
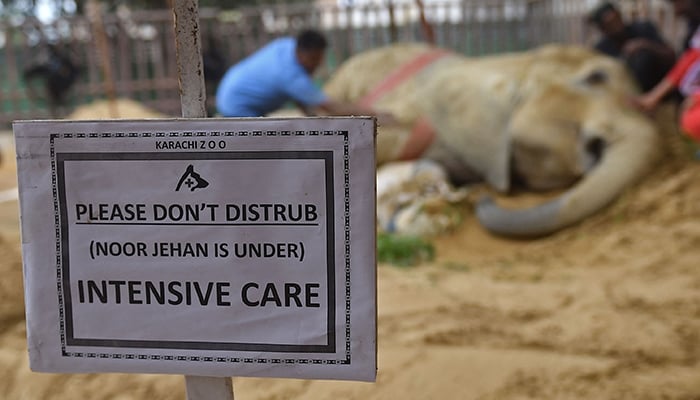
212, 247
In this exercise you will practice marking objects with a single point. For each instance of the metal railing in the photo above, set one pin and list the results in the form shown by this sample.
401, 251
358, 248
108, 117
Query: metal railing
140, 48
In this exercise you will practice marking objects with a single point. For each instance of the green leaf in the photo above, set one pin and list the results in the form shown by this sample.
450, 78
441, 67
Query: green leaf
403, 250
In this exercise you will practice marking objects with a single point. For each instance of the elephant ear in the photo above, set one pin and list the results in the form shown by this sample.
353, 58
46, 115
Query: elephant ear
469, 108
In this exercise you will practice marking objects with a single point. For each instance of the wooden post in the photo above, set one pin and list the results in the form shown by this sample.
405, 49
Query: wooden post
393, 31
98, 30
193, 100
188, 48
208, 388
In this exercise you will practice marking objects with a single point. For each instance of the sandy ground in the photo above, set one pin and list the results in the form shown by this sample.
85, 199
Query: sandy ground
609, 309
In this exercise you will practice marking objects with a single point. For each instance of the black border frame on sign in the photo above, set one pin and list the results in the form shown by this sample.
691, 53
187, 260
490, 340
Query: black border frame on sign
63, 263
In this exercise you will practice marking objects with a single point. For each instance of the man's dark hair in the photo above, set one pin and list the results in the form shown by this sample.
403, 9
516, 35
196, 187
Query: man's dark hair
596, 16
311, 40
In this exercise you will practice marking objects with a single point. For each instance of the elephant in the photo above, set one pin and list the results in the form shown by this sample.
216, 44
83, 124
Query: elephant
554, 118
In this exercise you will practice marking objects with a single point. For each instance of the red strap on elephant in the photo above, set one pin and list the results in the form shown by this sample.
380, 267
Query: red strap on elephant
422, 136
402, 73
422, 133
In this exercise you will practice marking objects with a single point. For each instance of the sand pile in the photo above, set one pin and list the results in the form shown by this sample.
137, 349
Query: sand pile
609, 309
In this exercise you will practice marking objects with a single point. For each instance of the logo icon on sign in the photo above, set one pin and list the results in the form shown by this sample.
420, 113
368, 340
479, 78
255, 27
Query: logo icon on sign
192, 180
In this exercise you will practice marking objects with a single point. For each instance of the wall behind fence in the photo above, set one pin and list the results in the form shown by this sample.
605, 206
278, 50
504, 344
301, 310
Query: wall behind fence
140, 52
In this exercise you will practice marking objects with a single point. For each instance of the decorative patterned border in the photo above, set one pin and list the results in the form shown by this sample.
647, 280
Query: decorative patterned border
246, 360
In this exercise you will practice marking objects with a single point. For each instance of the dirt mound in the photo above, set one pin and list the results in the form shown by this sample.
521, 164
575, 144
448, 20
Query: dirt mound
120, 108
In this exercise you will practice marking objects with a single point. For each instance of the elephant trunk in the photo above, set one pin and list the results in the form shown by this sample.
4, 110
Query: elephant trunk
625, 159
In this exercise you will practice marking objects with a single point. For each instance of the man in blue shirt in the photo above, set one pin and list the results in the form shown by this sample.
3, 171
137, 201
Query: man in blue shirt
277, 73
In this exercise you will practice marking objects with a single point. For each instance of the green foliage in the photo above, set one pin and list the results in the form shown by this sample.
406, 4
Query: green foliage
403, 251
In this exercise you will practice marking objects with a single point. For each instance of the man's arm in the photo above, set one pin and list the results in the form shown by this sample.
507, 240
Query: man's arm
650, 100
338, 108
309, 112
312, 101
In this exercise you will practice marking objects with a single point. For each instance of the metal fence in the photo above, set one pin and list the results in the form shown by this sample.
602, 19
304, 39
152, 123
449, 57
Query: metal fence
132, 54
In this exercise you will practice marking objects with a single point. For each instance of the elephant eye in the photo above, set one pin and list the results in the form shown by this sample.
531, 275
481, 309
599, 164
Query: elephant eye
595, 147
595, 78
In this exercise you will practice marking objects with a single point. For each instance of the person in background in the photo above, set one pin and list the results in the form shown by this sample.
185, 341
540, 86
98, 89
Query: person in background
690, 10
281, 72
685, 76
638, 43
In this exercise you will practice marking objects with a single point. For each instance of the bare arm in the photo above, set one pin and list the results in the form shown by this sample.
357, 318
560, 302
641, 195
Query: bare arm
309, 112
333, 107
650, 100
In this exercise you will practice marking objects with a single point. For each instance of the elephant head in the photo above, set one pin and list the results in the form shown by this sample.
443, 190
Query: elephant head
557, 117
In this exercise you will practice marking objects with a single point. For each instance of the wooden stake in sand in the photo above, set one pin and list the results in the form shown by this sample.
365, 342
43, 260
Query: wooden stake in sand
193, 99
